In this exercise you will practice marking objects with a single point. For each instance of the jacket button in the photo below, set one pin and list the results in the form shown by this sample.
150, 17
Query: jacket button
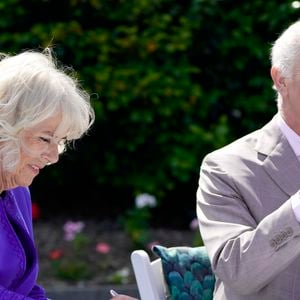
278, 239
289, 231
273, 243
283, 235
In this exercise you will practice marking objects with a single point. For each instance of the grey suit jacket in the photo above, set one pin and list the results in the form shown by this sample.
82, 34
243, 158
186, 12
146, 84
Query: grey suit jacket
246, 219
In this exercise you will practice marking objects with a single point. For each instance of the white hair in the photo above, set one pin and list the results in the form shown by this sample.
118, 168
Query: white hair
286, 50
32, 89
285, 54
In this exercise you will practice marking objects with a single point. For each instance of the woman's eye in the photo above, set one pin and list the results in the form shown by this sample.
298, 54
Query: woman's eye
44, 140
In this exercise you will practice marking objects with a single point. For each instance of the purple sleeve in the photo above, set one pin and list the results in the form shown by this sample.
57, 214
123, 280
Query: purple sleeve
6, 294
37, 293
28, 215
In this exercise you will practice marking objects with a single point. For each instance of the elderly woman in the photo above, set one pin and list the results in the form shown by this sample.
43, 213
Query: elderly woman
42, 109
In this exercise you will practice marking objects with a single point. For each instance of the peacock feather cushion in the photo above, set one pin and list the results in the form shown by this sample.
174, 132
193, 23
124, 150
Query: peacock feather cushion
187, 272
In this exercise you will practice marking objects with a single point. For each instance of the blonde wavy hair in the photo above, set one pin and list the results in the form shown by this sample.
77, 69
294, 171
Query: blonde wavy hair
33, 88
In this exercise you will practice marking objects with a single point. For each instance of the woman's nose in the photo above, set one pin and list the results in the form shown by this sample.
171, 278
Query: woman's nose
51, 155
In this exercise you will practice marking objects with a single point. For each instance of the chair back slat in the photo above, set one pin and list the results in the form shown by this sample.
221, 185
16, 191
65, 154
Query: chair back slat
149, 276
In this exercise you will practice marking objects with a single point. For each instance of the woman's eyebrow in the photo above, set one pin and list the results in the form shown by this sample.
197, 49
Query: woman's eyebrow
48, 132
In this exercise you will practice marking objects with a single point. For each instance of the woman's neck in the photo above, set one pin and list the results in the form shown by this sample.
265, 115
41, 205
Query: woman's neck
6, 181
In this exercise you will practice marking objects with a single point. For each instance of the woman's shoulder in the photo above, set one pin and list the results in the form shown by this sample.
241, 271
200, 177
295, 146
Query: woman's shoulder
22, 198
21, 191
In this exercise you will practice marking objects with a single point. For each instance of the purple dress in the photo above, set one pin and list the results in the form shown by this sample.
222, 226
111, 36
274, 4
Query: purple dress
18, 255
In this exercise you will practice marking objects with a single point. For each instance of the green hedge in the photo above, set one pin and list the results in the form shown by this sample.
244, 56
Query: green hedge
170, 81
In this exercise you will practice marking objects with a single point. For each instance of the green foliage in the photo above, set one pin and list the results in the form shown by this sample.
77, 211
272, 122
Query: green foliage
76, 271
71, 263
170, 81
136, 221
136, 224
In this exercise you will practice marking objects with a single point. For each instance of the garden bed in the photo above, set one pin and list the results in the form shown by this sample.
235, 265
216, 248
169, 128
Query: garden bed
101, 256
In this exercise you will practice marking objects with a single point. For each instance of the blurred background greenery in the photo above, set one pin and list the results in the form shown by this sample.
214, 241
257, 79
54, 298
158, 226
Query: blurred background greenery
170, 81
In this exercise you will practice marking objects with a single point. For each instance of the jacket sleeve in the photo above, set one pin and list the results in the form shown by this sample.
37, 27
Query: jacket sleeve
37, 293
236, 241
6, 294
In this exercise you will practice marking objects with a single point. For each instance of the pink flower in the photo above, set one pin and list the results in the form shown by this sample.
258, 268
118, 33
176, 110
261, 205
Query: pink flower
36, 212
55, 254
103, 248
71, 229
194, 225
152, 244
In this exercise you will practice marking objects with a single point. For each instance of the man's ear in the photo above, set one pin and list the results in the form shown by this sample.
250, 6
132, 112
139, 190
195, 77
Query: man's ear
278, 79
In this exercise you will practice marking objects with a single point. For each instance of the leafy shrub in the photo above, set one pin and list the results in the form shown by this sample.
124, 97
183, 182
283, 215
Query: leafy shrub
170, 81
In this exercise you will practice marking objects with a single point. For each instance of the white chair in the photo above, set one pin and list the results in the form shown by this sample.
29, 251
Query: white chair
188, 272
149, 276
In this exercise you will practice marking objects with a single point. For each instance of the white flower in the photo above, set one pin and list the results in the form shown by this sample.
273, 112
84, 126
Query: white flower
144, 200
124, 272
121, 275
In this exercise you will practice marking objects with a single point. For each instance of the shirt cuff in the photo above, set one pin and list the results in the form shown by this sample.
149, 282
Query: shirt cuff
295, 200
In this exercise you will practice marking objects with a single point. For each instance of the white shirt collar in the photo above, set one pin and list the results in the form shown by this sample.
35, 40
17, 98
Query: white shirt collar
292, 137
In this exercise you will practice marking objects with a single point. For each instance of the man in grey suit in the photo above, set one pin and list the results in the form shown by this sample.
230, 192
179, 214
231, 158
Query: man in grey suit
248, 200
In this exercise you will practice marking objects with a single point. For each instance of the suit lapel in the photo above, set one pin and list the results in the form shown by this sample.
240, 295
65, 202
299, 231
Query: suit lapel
281, 163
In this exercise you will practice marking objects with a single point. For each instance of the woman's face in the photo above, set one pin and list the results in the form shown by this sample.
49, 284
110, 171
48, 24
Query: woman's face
39, 148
